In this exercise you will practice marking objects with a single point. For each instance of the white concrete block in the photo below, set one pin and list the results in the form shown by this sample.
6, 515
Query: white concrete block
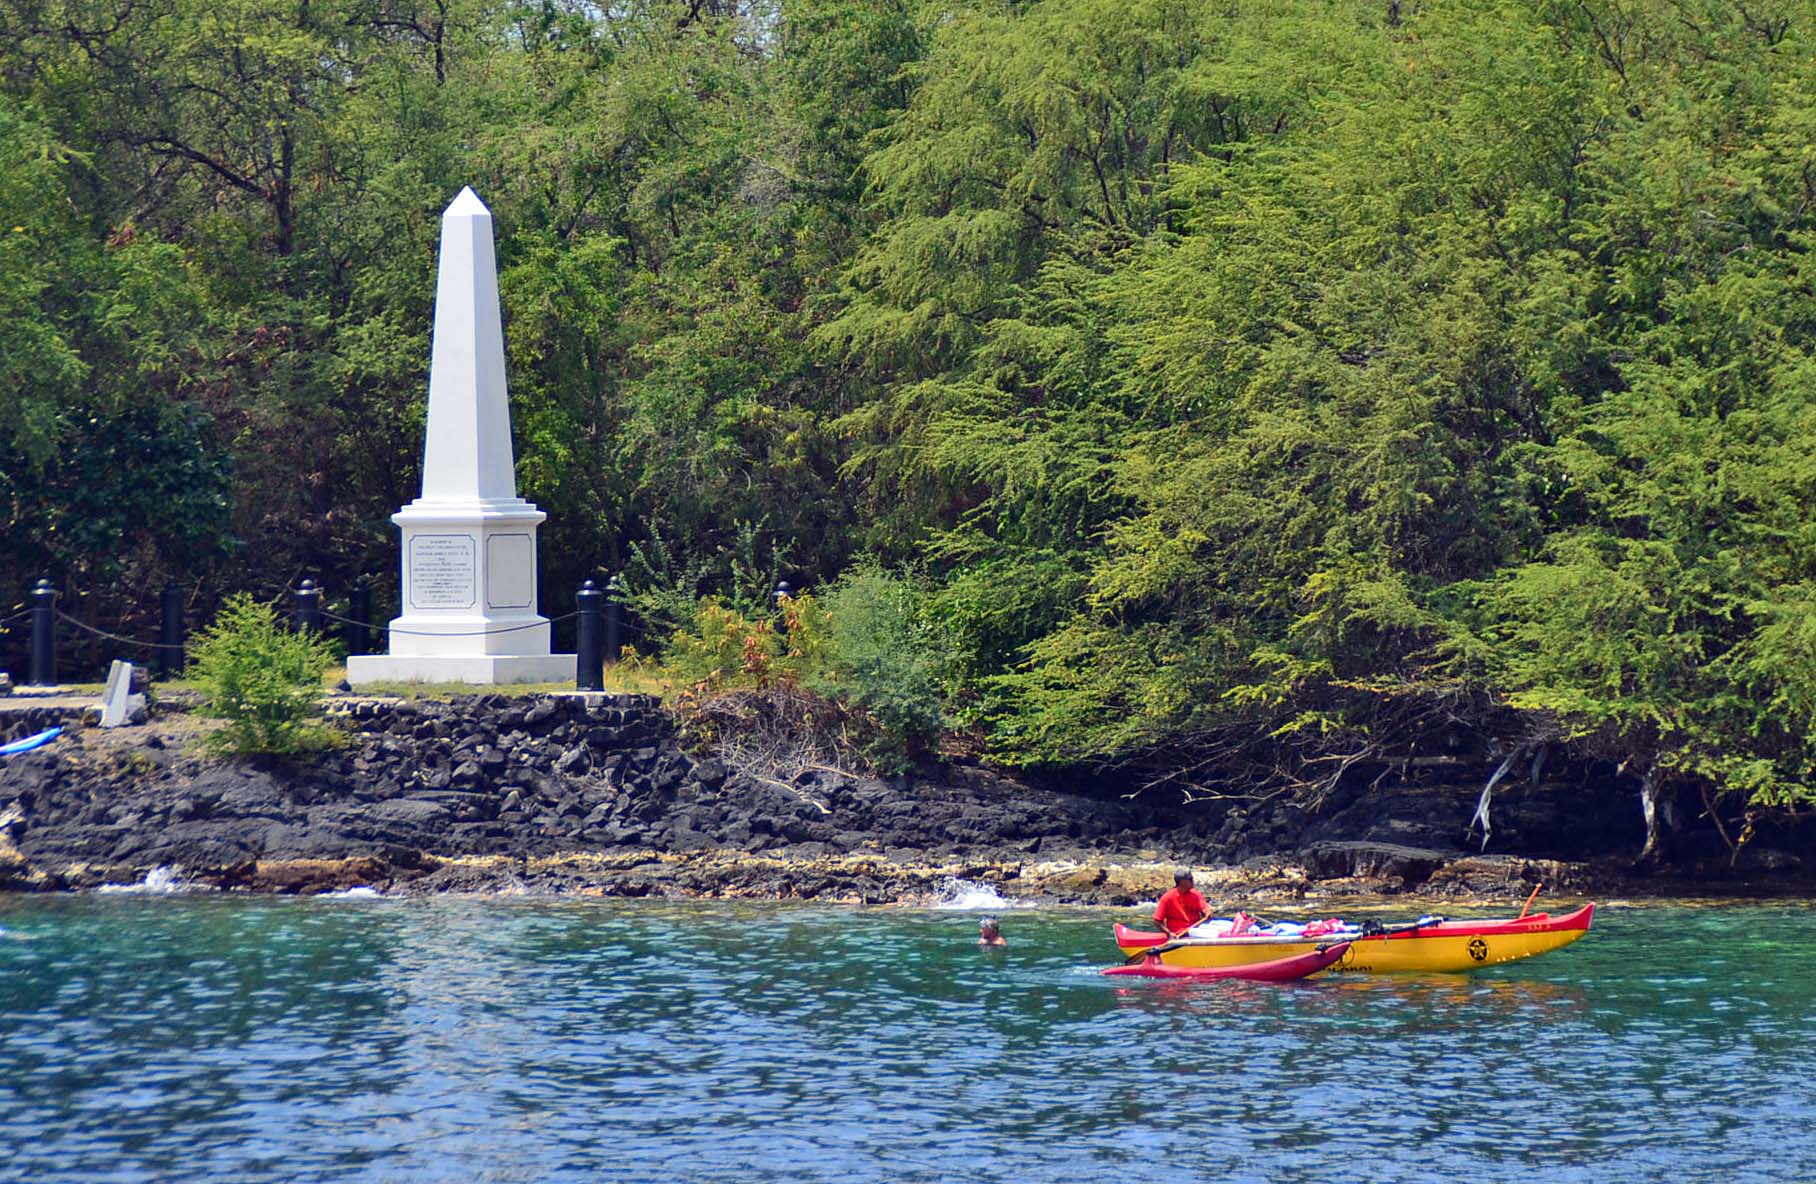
481, 670
116, 703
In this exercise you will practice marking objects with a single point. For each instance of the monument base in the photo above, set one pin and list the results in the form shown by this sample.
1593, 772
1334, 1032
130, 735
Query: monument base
473, 669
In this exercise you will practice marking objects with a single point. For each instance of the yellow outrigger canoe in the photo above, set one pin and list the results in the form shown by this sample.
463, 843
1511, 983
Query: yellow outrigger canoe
1439, 945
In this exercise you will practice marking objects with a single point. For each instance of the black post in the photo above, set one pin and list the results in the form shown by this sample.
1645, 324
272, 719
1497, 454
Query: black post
589, 656
170, 632
614, 619
784, 593
43, 600
308, 614
359, 612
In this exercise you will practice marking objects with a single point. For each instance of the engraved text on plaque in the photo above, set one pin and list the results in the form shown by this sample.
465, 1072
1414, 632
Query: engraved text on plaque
442, 571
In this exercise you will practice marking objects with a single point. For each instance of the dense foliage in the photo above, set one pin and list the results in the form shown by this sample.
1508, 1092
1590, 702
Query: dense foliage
263, 679
1294, 370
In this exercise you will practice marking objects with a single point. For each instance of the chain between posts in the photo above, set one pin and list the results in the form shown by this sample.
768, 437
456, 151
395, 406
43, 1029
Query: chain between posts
326, 615
44, 649
87, 628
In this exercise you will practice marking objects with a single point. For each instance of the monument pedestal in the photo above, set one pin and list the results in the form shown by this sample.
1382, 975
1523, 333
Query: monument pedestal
469, 599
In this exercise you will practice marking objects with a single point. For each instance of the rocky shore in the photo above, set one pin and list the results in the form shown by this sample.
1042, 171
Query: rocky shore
596, 794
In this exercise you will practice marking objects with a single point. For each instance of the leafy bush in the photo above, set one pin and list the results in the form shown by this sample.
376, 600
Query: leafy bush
806, 638
263, 679
724, 650
865, 643
666, 591
881, 654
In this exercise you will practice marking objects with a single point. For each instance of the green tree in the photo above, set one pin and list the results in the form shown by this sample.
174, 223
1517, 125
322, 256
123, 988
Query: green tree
263, 679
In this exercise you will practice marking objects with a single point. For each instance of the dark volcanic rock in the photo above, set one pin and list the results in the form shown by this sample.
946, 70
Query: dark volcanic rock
197, 845
492, 774
606, 778
1411, 866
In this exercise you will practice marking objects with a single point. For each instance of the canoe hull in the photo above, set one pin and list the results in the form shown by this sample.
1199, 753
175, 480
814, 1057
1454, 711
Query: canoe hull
1447, 946
1276, 970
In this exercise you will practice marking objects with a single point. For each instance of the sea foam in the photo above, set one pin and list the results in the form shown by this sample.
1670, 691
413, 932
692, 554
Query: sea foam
959, 895
159, 881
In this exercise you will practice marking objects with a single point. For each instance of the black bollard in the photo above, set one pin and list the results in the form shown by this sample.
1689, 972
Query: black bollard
784, 593
359, 617
308, 614
170, 632
614, 619
43, 600
589, 656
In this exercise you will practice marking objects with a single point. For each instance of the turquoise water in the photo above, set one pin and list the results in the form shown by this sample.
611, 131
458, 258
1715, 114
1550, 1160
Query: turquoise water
249, 1040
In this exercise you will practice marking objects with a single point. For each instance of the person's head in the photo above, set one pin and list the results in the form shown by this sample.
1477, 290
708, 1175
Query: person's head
987, 927
1182, 878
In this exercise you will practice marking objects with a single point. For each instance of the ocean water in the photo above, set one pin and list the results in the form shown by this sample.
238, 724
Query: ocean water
170, 1037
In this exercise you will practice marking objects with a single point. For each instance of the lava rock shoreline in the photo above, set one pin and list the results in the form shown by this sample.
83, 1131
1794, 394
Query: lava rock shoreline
597, 795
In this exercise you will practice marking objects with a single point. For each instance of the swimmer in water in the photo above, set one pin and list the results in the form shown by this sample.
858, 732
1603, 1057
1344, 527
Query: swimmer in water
988, 934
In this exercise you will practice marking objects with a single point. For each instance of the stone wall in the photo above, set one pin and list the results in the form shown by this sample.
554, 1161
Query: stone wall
22, 719
496, 775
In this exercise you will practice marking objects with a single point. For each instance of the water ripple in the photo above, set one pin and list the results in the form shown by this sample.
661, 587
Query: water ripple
151, 1037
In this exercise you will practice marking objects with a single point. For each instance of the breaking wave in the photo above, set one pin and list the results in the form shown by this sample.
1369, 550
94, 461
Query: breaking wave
159, 881
959, 895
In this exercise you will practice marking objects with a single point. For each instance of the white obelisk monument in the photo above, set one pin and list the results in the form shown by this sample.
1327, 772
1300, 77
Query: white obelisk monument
469, 545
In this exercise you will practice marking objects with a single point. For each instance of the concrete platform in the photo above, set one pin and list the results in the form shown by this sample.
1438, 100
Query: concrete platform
27, 698
474, 669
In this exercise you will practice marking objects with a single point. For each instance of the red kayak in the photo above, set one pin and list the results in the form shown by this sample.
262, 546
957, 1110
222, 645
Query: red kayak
1279, 970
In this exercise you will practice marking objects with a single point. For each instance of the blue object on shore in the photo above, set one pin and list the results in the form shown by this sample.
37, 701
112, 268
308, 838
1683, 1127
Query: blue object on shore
30, 742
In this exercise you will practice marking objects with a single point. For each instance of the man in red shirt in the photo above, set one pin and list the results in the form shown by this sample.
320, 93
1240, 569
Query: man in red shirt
1181, 908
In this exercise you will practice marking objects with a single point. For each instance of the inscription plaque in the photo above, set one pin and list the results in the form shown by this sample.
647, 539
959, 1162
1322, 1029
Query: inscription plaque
443, 571
510, 571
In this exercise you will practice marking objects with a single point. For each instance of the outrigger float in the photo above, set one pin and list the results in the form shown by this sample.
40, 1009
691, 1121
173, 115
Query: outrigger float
1429, 944
1274, 970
